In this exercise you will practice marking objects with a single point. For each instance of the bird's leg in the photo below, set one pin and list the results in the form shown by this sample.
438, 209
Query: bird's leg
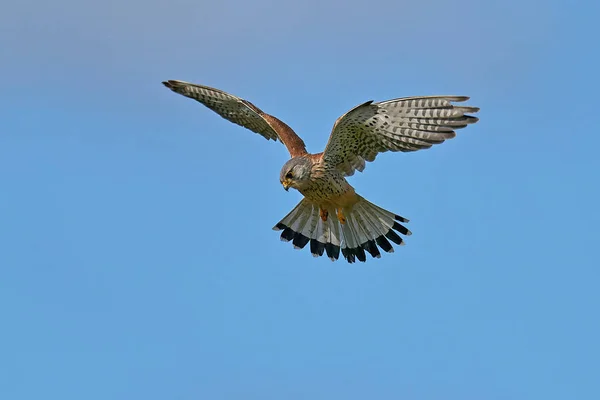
324, 213
340, 215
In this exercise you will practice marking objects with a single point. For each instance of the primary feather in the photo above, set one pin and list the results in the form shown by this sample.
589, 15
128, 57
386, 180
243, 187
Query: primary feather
405, 124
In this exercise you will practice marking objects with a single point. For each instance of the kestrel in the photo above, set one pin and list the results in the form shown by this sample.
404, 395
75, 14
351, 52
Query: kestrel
332, 216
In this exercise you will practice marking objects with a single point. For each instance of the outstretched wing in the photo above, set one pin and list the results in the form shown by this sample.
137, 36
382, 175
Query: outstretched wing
405, 124
241, 112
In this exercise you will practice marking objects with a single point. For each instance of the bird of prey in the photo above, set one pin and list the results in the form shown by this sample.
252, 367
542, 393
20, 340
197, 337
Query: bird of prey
332, 216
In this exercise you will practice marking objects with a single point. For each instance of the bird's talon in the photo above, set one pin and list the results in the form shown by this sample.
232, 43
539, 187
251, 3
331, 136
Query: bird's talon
324, 214
340, 215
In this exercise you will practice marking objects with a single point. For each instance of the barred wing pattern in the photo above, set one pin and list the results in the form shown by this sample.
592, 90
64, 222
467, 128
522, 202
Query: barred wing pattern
241, 112
405, 124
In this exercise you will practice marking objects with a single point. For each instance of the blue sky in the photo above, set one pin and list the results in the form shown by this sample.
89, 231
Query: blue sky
138, 260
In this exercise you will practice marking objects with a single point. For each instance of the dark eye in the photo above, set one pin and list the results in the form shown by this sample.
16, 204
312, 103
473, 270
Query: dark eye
289, 175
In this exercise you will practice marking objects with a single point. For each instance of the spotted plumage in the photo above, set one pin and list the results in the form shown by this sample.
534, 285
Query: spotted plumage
332, 217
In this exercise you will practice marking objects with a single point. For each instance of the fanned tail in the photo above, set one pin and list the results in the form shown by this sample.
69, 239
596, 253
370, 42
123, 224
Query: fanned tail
367, 229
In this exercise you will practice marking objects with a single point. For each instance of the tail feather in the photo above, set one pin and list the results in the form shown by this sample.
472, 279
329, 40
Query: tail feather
348, 234
349, 243
368, 233
303, 213
303, 228
317, 243
378, 227
358, 236
335, 232
371, 247
332, 237
316, 248
371, 230
366, 230
384, 244
312, 223
333, 251
367, 221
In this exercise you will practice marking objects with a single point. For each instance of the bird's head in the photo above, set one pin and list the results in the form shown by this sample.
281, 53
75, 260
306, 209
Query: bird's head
295, 173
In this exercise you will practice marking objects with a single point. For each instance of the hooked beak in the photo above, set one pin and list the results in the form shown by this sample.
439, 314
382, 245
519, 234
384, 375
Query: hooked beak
286, 185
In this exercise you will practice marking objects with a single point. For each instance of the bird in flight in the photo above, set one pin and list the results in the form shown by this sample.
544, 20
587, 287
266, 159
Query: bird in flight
332, 216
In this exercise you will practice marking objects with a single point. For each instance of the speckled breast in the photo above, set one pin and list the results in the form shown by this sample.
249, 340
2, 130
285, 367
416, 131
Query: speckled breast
326, 185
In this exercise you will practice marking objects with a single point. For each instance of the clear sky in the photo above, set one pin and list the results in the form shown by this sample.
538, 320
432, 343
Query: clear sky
137, 258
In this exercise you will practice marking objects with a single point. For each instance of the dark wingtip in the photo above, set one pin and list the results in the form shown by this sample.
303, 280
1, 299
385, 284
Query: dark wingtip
173, 84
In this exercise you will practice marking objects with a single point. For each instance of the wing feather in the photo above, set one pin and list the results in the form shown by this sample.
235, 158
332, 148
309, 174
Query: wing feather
241, 112
404, 124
